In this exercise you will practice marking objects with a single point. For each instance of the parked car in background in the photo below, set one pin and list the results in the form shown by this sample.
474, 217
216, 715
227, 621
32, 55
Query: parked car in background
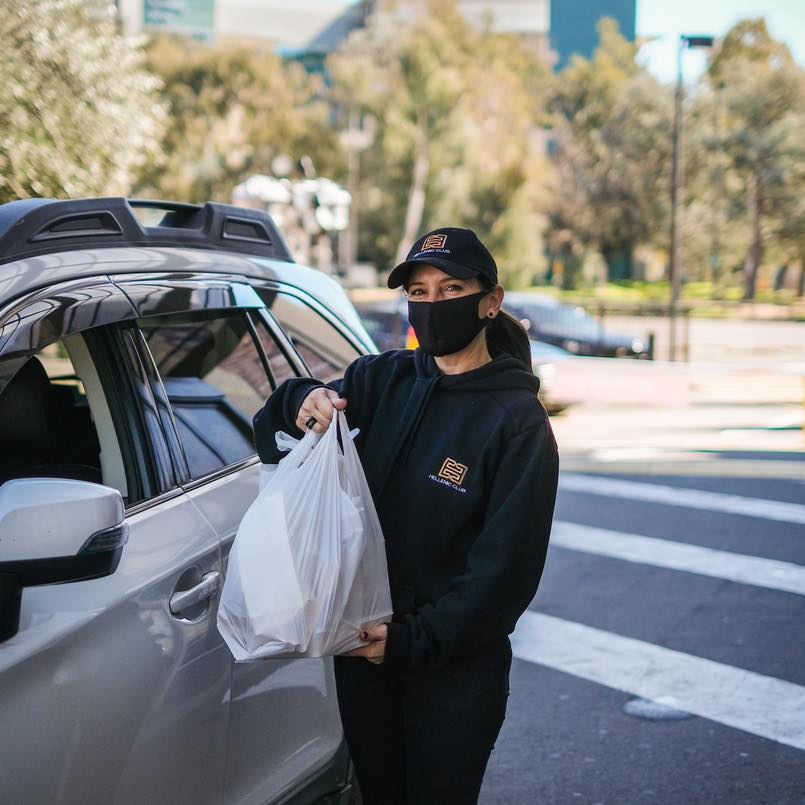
547, 360
571, 328
132, 360
387, 323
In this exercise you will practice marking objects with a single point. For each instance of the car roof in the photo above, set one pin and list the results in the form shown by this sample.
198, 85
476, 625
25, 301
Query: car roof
44, 242
33, 273
38, 226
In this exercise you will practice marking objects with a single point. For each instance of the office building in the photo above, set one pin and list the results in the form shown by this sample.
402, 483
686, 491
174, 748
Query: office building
309, 30
573, 25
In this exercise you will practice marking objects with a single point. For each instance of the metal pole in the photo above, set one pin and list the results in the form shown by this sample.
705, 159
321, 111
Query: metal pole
676, 182
686, 344
351, 251
718, 195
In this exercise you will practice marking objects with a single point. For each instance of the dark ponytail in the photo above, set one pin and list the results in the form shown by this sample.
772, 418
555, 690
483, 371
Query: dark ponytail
506, 336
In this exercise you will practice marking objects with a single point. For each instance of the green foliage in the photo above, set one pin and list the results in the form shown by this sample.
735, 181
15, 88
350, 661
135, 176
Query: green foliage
762, 92
456, 121
457, 126
231, 111
613, 149
79, 114
743, 154
587, 89
703, 299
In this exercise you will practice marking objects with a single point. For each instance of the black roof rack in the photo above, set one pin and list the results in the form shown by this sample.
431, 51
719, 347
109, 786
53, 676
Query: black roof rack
38, 226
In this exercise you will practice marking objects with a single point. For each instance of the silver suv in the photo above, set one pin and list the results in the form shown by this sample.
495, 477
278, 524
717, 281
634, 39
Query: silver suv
132, 359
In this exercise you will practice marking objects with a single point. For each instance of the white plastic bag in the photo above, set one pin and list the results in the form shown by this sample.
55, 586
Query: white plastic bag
307, 569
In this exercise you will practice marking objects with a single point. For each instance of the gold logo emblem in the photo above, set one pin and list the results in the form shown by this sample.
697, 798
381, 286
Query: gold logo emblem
434, 242
453, 471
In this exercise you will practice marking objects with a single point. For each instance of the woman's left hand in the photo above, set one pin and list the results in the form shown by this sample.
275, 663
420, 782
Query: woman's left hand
375, 651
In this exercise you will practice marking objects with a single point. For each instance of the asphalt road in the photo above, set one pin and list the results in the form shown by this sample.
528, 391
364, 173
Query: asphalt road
698, 618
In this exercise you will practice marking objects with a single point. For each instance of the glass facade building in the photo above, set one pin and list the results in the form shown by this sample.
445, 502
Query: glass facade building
574, 25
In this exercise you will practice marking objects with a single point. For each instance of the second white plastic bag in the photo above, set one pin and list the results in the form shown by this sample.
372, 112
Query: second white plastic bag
307, 569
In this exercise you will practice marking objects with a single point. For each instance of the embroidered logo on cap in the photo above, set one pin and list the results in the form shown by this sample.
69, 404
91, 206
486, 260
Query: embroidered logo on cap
434, 242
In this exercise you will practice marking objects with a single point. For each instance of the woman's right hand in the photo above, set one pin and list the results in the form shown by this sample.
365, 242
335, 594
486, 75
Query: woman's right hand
320, 405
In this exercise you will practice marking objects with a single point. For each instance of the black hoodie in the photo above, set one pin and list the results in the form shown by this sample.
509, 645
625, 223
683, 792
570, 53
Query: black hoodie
463, 470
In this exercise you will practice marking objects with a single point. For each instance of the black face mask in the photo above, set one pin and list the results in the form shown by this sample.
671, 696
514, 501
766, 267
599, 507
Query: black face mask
445, 327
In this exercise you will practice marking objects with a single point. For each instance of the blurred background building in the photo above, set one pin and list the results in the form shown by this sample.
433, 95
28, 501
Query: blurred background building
309, 30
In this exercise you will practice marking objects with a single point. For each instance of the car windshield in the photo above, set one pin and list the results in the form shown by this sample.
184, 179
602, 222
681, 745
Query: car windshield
571, 322
578, 320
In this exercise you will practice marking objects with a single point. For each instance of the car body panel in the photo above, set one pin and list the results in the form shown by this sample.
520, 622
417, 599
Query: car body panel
540, 351
267, 755
123, 700
102, 733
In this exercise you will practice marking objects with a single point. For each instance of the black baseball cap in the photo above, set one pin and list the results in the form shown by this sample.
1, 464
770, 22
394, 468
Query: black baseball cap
457, 252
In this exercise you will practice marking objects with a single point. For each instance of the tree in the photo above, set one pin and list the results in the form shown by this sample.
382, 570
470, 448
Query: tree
232, 109
456, 133
763, 92
612, 150
786, 192
79, 114
412, 80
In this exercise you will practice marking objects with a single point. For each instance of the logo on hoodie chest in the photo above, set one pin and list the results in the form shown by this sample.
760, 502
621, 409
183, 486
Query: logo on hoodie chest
452, 474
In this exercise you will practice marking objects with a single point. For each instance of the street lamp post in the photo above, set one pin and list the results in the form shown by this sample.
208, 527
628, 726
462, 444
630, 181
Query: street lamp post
676, 183
357, 137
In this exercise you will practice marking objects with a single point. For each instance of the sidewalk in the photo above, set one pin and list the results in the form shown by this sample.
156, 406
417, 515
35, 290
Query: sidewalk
696, 419
731, 341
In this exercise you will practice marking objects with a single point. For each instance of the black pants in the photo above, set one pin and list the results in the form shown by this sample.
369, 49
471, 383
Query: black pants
423, 737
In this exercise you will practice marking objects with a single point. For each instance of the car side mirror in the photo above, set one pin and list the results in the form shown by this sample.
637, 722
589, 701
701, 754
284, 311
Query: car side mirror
52, 531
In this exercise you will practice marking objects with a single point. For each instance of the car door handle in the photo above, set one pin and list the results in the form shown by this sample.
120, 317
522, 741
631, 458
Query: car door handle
205, 589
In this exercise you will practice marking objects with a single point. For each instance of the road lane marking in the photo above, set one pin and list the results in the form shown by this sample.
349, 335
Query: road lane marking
689, 498
762, 705
737, 567
693, 465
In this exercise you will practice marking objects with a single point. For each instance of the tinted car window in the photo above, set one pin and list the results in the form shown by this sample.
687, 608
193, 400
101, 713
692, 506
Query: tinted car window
45, 423
321, 365
280, 366
325, 351
56, 420
575, 320
389, 329
556, 319
215, 381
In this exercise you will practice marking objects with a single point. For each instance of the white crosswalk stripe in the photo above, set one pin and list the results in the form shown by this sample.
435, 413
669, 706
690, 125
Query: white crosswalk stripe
754, 570
778, 511
762, 705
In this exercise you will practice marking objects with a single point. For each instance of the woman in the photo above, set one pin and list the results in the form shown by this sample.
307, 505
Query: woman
462, 465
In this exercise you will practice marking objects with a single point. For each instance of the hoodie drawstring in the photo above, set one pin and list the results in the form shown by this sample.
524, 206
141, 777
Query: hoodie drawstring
402, 449
408, 439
